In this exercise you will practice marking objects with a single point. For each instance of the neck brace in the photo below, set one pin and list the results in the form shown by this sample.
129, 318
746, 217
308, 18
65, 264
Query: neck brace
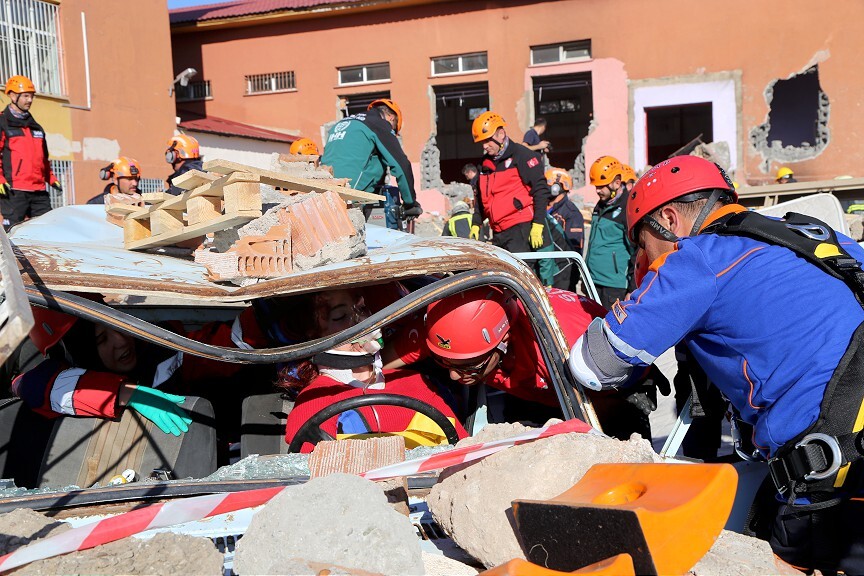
346, 375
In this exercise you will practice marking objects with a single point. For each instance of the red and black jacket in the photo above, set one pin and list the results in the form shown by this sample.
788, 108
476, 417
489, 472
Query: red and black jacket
24, 161
511, 188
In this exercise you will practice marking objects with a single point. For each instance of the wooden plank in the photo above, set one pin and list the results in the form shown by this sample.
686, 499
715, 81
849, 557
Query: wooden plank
193, 179
135, 230
293, 182
220, 223
202, 209
213, 189
156, 197
166, 222
241, 196
121, 209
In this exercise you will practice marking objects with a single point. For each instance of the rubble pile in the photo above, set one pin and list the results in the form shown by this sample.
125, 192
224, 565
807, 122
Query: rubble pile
734, 554
471, 503
340, 521
163, 554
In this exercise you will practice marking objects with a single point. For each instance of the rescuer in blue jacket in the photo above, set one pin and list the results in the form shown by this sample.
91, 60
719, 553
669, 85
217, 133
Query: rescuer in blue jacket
771, 311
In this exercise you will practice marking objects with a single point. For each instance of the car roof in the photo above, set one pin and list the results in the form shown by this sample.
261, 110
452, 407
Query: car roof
74, 248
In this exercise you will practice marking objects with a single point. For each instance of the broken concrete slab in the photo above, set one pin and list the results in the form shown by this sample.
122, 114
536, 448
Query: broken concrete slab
738, 555
165, 553
473, 504
339, 519
438, 565
855, 223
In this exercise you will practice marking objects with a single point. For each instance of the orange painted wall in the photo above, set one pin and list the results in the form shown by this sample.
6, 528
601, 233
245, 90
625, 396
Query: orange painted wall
130, 73
764, 40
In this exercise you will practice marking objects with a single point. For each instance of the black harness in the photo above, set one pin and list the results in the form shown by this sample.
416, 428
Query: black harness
829, 455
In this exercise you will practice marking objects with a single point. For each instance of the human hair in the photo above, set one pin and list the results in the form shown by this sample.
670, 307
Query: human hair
468, 168
540, 121
692, 208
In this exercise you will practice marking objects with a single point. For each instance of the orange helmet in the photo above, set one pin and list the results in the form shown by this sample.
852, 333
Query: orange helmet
628, 174
304, 146
182, 146
559, 176
19, 85
392, 106
485, 126
604, 170
122, 167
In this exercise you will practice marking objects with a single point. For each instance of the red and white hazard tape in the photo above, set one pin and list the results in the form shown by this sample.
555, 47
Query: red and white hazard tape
474, 452
199, 507
129, 523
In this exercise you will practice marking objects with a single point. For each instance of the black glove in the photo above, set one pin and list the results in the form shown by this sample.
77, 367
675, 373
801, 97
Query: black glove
644, 395
412, 210
57, 186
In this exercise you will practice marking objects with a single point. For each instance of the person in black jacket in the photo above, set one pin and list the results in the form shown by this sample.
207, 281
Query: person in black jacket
563, 210
24, 166
184, 154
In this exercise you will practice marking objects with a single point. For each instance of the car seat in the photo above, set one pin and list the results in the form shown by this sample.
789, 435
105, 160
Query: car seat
262, 427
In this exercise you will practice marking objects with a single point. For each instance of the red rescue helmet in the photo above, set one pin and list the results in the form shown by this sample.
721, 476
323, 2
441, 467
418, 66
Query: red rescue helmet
682, 178
49, 326
469, 324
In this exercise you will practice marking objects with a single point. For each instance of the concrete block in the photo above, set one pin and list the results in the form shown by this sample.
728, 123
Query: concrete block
340, 520
472, 503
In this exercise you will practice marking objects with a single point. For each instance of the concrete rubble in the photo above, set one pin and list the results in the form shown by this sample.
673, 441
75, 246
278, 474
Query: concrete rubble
163, 554
738, 555
472, 504
310, 524
855, 222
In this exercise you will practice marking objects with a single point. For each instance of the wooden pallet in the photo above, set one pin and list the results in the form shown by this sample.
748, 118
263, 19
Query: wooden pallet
217, 204
289, 183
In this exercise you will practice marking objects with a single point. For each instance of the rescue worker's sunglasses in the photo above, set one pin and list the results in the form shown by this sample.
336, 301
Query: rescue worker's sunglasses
469, 370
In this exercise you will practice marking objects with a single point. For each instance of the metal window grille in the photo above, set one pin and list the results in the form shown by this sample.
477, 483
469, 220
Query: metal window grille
275, 82
29, 44
566, 52
194, 91
63, 170
363, 74
151, 185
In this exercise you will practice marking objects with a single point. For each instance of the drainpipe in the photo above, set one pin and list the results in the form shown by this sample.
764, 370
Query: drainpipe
86, 66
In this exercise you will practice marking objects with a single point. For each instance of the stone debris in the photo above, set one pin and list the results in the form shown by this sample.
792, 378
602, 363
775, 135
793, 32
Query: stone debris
734, 554
339, 520
438, 565
855, 222
165, 553
472, 504
717, 152
22, 526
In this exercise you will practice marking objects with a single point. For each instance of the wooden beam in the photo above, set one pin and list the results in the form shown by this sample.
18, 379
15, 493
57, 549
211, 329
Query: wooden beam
294, 183
202, 209
242, 196
220, 223
122, 209
193, 179
156, 197
213, 189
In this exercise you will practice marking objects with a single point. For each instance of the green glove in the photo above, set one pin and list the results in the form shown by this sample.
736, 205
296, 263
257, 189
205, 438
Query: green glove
475, 233
536, 236
160, 408
4, 189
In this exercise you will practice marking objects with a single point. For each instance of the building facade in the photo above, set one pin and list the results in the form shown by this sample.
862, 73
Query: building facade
769, 83
102, 76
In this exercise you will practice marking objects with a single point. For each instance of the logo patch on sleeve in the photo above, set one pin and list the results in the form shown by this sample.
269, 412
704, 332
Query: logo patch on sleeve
618, 311
533, 162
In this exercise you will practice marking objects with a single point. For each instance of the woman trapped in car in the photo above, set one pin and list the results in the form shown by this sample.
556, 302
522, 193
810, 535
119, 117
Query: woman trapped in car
93, 370
355, 369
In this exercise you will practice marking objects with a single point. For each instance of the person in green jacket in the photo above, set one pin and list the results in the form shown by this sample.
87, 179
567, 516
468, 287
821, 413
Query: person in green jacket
363, 146
610, 253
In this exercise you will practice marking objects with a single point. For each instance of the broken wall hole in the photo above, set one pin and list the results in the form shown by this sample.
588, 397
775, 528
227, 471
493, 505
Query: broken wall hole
797, 124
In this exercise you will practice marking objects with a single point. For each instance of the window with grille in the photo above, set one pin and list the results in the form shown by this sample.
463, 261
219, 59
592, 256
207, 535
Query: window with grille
269, 83
566, 52
364, 74
460, 64
29, 44
194, 91
151, 185
63, 170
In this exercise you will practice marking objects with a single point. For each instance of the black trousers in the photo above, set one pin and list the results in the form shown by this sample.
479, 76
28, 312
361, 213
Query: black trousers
608, 295
516, 239
25, 203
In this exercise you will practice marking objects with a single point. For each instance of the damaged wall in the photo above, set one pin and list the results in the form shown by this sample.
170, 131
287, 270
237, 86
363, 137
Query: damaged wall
797, 125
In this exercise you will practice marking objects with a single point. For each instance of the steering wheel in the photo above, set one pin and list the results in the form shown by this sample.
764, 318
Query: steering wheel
311, 430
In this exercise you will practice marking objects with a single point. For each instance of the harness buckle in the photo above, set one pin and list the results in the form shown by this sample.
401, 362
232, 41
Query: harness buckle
836, 455
811, 230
